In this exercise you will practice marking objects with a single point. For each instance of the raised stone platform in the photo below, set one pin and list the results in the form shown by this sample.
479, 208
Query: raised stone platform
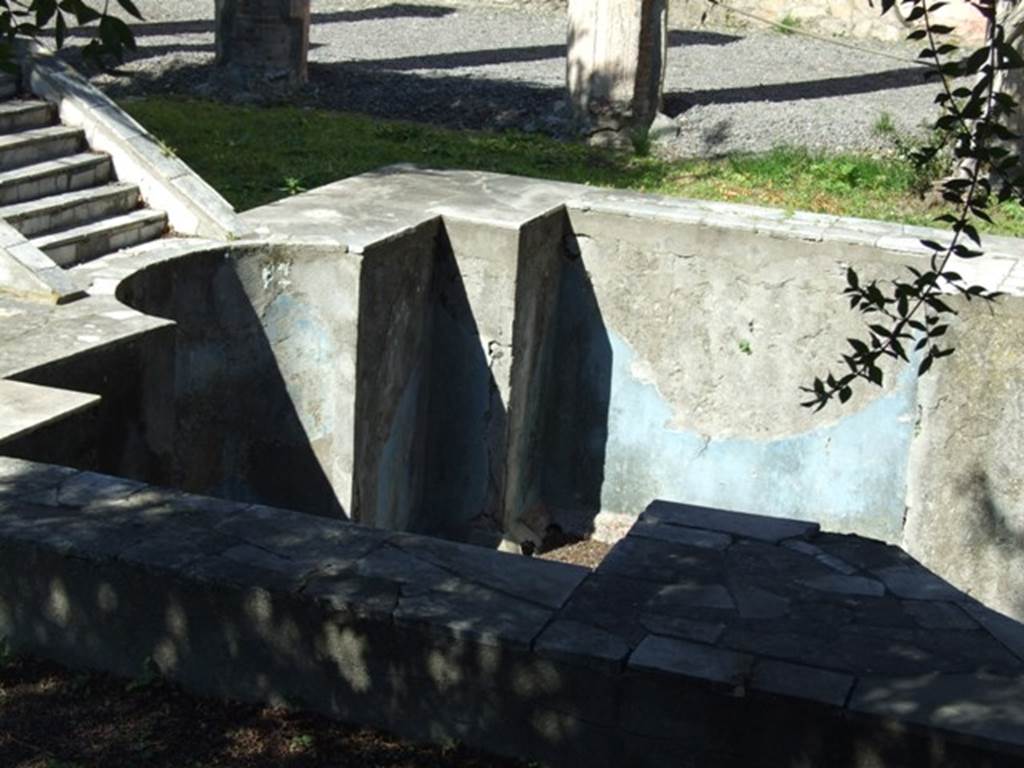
704, 638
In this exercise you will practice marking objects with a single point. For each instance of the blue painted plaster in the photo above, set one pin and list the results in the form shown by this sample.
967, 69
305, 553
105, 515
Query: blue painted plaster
849, 476
303, 348
397, 472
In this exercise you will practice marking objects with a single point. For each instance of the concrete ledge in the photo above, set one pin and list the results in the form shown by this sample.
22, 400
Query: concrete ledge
25, 408
193, 207
28, 273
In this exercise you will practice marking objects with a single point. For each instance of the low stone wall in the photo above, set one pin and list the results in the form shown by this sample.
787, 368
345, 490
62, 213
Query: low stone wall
705, 638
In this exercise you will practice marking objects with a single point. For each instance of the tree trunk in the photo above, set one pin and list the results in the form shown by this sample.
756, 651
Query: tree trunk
616, 65
263, 43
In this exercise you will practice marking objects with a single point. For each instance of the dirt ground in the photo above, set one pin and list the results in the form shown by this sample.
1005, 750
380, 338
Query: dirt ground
52, 717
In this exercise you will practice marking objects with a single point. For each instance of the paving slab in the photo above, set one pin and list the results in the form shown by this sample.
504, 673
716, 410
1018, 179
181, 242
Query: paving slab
701, 662
582, 643
800, 681
759, 527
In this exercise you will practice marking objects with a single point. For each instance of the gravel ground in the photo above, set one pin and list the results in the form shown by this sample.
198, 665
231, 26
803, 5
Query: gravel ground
464, 65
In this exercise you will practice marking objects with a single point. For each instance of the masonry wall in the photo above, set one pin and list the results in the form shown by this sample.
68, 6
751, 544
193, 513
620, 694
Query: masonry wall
684, 353
965, 505
250, 344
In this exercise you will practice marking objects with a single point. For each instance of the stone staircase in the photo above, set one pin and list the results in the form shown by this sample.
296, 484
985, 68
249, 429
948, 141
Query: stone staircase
60, 195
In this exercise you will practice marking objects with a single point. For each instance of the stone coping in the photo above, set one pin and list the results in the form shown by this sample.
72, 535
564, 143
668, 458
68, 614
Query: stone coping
371, 206
698, 617
25, 408
28, 273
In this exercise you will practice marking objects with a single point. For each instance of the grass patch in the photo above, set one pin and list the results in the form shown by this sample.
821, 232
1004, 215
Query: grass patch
254, 155
789, 24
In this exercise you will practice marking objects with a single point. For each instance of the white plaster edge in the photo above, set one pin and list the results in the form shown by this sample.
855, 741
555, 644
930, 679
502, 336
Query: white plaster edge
28, 273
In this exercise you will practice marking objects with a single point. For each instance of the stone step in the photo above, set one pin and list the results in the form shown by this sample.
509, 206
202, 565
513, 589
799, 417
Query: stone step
87, 169
25, 114
70, 209
38, 145
8, 86
74, 246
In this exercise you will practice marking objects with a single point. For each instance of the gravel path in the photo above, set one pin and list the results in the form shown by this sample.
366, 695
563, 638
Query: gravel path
464, 65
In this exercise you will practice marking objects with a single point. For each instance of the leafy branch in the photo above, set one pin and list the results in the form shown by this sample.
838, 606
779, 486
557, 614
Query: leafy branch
111, 35
907, 318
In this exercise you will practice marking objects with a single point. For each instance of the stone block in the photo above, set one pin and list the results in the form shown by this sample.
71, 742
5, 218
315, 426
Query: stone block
846, 585
799, 681
693, 660
583, 644
678, 534
759, 527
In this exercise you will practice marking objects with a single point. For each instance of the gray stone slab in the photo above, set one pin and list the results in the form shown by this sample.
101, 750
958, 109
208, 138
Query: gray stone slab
352, 594
680, 657
306, 539
413, 575
707, 632
916, 583
247, 569
846, 585
677, 534
175, 547
489, 618
802, 682
936, 615
770, 529
978, 705
757, 603
543, 582
20, 478
87, 488
580, 643
673, 598
837, 564
662, 561
1007, 631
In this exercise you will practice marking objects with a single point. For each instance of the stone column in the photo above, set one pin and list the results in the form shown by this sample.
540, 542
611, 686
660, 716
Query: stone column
263, 43
616, 65
1010, 14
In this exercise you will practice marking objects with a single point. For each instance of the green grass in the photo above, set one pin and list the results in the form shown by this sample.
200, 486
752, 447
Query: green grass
254, 155
789, 24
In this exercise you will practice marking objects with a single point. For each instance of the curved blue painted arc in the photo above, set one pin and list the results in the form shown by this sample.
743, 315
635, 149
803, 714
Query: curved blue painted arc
848, 476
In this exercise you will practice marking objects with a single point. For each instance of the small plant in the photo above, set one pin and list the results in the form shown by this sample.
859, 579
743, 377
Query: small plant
884, 126
5, 652
292, 185
641, 141
745, 347
303, 742
166, 149
789, 24
151, 674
